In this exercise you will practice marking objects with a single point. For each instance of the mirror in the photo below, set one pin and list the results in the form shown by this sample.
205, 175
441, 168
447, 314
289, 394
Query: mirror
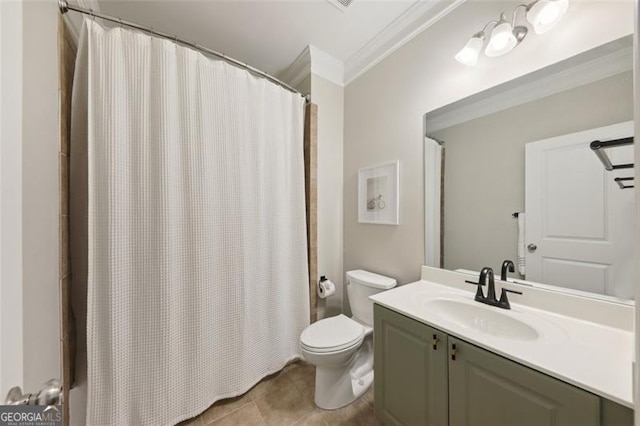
513, 175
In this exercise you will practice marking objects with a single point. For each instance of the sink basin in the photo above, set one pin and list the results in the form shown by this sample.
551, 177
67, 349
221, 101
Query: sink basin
485, 319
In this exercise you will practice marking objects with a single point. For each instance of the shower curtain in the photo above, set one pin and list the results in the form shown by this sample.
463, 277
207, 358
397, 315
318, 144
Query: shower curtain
197, 258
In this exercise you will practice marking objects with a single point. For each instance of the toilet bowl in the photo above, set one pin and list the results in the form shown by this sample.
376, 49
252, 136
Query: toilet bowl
341, 348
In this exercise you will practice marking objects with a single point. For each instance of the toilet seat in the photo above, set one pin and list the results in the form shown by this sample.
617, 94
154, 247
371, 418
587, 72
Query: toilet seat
332, 334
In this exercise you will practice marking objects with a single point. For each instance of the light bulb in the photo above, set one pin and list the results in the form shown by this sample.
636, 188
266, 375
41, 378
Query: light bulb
545, 14
502, 40
470, 52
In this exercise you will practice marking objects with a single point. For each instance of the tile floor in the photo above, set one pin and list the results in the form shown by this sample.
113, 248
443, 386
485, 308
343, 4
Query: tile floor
285, 398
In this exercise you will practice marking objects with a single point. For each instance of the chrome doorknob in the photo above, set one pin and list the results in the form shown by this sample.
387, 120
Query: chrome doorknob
532, 247
16, 397
49, 394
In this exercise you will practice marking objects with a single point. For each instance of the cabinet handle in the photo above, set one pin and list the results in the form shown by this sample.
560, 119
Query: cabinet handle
434, 342
454, 350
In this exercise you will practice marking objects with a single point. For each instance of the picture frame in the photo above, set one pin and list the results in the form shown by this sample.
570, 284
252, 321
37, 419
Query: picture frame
379, 194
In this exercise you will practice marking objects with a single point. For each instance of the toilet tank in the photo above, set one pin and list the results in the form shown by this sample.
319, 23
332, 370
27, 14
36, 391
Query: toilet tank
360, 285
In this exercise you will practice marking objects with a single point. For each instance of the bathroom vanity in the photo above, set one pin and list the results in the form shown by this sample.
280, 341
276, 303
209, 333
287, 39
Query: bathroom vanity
443, 359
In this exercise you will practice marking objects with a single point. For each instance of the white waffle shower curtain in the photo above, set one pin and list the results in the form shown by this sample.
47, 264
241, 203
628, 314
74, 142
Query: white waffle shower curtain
197, 263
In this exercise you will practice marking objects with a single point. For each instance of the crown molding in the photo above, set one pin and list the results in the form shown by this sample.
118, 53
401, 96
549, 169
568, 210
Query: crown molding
602, 62
417, 18
299, 69
326, 66
314, 61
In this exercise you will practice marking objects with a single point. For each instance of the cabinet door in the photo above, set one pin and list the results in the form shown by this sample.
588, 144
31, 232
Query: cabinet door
488, 390
410, 365
615, 414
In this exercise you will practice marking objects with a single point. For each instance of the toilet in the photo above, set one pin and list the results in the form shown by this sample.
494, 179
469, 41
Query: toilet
341, 348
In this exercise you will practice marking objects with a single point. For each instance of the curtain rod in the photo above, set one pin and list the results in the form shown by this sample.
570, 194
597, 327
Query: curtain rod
64, 7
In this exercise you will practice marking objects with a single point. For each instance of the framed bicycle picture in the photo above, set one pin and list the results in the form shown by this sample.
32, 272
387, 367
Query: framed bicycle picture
378, 194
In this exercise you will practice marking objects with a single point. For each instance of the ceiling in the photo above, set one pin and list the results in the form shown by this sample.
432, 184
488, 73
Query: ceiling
270, 34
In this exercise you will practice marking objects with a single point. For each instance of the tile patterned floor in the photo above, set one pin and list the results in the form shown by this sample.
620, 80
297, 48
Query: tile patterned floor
285, 398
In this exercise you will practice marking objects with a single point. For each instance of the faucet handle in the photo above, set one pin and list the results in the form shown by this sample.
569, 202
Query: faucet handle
504, 301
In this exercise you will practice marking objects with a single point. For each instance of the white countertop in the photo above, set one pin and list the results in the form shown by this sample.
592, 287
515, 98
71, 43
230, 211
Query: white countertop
591, 356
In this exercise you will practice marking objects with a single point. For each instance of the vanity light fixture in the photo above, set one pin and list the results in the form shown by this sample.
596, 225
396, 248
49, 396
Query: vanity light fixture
542, 15
470, 52
502, 38
545, 14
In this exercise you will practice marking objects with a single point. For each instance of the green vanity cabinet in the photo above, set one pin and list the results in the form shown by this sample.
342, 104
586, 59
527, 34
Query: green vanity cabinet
613, 414
410, 371
487, 389
423, 377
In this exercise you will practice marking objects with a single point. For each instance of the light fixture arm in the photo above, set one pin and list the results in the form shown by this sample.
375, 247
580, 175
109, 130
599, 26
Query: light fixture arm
515, 12
484, 30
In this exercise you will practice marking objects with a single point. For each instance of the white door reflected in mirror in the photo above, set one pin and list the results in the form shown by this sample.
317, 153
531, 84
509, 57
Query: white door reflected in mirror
577, 214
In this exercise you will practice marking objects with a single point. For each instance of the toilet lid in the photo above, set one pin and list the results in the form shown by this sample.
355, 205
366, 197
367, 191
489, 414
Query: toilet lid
332, 334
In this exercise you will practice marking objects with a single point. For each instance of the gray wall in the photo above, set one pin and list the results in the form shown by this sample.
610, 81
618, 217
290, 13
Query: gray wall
11, 354
484, 165
330, 100
40, 194
29, 124
384, 111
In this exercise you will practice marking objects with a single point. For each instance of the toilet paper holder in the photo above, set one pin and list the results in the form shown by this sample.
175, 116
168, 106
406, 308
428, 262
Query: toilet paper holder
325, 287
323, 278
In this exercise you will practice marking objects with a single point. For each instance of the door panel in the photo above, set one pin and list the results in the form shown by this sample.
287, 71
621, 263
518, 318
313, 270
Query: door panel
488, 390
615, 414
410, 372
586, 276
576, 216
574, 192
